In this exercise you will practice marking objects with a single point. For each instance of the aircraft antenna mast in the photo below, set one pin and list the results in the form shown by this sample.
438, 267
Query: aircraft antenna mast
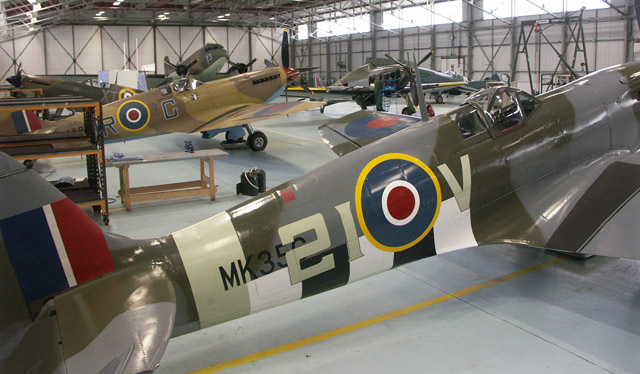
421, 102
137, 57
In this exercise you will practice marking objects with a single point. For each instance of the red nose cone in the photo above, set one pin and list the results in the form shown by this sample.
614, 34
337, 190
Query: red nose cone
291, 73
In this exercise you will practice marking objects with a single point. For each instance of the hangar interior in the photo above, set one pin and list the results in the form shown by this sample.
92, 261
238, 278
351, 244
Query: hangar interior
474, 39
490, 309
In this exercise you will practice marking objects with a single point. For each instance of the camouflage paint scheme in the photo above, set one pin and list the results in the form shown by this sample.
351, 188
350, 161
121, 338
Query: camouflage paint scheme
430, 188
359, 83
60, 87
186, 105
210, 60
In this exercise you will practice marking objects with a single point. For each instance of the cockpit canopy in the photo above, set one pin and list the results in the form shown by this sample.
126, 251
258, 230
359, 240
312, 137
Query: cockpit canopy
497, 109
185, 84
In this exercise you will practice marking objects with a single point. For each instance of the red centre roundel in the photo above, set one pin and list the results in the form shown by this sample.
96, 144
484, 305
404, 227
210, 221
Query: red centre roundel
382, 122
400, 202
133, 115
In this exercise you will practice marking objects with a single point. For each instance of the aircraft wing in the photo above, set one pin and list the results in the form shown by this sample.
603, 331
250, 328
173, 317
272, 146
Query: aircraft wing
77, 332
358, 129
588, 209
258, 112
434, 88
331, 95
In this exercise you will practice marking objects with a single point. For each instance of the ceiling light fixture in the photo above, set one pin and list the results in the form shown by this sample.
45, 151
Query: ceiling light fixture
116, 3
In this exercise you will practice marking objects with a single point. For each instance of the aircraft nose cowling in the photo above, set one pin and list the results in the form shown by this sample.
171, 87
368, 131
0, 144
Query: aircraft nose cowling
14, 80
291, 73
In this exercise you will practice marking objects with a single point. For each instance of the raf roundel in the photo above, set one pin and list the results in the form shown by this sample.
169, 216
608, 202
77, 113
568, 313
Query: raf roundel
125, 93
133, 115
397, 201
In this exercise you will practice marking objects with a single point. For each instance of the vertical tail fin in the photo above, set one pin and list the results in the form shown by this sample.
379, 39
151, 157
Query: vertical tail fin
51, 243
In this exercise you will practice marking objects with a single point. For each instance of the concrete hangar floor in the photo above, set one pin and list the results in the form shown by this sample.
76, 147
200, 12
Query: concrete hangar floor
493, 309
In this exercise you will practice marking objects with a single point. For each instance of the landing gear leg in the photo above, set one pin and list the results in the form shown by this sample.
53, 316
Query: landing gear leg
256, 140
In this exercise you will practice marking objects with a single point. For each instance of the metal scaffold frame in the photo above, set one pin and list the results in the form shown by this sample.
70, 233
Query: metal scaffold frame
576, 35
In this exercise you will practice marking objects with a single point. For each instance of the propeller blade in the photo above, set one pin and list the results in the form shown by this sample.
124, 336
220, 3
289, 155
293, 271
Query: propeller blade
285, 49
252, 61
192, 63
425, 58
385, 54
170, 64
16, 80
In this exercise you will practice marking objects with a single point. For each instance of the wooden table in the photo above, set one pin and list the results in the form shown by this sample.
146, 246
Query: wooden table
204, 186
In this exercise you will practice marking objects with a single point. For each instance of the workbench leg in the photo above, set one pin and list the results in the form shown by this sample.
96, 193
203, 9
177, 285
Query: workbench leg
121, 191
126, 189
212, 183
203, 175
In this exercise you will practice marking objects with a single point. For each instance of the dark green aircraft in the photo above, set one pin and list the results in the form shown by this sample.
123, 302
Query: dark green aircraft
205, 65
559, 171
90, 88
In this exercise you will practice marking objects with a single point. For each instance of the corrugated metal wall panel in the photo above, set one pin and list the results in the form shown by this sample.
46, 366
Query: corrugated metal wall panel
29, 52
114, 43
144, 55
87, 42
609, 53
216, 35
59, 49
167, 44
191, 40
6, 68
238, 45
265, 44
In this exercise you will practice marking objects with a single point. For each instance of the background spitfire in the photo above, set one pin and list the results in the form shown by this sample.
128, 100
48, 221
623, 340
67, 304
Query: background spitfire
188, 105
104, 93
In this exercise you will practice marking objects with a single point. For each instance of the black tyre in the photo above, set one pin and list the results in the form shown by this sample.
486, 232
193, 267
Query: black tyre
405, 111
257, 141
439, 99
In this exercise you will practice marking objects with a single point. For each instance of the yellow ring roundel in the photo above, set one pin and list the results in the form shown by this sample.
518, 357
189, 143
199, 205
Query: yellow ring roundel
133, 115
397, 200
125, 93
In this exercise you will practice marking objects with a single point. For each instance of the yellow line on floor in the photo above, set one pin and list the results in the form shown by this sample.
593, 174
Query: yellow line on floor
369, 322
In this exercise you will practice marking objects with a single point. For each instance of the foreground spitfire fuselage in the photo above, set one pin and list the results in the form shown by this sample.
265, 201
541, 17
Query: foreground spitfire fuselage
498, 174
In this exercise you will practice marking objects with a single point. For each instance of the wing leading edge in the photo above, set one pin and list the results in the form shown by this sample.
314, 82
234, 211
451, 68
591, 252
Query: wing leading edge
258, 112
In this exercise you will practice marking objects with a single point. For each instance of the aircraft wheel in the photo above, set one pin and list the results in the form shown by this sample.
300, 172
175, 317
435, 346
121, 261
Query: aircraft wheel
257, 141
439, 99
322, 109
405, 111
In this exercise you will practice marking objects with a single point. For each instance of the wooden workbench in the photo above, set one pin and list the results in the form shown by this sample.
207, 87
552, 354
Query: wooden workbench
204, 186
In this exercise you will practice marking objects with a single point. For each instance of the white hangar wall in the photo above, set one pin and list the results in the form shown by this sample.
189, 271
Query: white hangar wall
80, 50
478, 47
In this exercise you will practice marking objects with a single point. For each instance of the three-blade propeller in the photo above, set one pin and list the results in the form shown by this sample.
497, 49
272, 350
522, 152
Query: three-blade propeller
16, 80
181, 69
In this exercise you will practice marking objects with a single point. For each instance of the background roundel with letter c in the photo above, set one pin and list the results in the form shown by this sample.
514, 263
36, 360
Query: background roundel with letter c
133, 115
397, 201
125, 93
